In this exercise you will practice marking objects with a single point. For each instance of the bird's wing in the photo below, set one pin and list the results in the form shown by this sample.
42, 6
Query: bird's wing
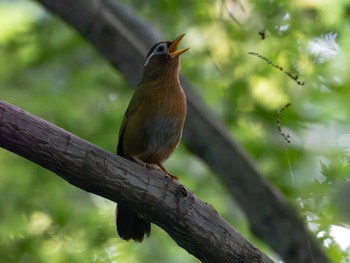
130, 111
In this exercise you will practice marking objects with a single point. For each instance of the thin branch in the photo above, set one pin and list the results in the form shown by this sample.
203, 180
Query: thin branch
285, 136
193, 224
268, 61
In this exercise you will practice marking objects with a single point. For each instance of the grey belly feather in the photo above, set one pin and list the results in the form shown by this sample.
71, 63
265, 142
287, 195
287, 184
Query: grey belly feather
161, 134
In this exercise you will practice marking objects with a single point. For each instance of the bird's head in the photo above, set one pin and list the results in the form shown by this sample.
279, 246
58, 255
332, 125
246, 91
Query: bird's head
162, 59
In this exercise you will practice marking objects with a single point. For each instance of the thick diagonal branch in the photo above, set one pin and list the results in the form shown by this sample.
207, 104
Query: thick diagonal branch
193, 224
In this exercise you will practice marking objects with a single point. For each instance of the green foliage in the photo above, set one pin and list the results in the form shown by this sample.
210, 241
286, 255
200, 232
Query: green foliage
47, 69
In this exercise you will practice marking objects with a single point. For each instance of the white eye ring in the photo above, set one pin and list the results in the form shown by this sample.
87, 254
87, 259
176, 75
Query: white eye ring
162, 48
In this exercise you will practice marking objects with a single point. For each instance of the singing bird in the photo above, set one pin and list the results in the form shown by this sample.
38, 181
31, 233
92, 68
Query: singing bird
152, 124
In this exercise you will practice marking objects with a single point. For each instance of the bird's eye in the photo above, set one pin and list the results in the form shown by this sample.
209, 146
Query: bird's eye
161, 49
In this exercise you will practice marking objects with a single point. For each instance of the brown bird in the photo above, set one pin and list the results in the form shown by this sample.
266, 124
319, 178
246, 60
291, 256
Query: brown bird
152, 124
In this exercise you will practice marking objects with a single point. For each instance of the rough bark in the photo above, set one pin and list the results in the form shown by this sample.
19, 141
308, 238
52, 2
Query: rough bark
193, 224
123, 38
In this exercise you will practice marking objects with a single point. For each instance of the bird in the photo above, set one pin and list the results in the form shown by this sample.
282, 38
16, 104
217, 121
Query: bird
152, 125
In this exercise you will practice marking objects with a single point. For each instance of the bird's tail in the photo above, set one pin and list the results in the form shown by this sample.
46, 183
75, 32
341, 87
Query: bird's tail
130, 225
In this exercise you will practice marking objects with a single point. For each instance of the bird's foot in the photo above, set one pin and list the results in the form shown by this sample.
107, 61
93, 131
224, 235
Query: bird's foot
156, 166
153, 166
173, 177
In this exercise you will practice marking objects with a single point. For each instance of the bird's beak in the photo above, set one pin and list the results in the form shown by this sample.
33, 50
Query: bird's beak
172, 49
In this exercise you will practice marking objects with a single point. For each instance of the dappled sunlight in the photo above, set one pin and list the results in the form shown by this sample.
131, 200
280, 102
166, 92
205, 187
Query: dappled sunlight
305, 66
239, 11
267, 93
341, 236
52, 248
255, 130
324, 48
17, 18
39, 223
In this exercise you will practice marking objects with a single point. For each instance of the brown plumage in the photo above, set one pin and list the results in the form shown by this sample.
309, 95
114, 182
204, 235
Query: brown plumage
152, 124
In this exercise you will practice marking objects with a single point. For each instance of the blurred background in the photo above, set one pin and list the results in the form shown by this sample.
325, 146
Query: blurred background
47, 69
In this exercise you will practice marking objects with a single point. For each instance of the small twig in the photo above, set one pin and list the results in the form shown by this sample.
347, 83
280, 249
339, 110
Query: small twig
285, 136
293, 77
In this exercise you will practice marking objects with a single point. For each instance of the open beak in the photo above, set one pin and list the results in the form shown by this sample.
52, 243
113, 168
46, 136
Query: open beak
172, 49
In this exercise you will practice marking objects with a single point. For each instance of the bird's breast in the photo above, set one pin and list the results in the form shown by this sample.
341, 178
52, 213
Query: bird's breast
155, 129
161, 136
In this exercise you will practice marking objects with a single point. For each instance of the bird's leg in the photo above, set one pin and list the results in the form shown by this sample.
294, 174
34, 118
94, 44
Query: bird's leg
151, 166
155, 166
174, 177
139, 161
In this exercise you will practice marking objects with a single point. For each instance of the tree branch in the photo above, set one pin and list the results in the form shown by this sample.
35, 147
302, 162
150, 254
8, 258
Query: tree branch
122, 38
193, 224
